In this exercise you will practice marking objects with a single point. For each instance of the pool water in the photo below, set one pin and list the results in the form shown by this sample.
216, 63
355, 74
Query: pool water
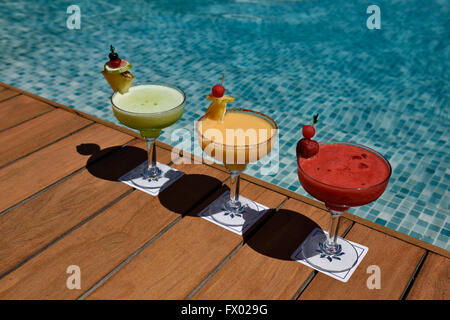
387, 88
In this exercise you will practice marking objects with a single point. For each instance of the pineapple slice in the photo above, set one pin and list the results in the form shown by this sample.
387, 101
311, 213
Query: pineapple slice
218, 107
119, 81
225, 98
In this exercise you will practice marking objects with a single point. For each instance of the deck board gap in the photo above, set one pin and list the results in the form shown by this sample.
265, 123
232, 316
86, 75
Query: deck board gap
22, 122
41, 191
304, 285
61, 180
344, 234
413, 276
282, 204
8, 98
214, 271
81, 223
47, 145
127, 260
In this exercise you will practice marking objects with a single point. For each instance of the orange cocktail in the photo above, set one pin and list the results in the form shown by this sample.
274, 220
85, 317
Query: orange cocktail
235, 137
244, 136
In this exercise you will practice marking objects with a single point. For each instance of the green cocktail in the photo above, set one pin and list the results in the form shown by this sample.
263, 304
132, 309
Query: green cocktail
149, 109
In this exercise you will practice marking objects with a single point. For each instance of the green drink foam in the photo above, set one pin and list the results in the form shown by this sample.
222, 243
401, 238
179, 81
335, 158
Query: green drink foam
148, 99
148, 108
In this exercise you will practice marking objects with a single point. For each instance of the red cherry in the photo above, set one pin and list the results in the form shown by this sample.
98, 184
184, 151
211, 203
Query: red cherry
307, 148
115, 63
218, 91
308, 131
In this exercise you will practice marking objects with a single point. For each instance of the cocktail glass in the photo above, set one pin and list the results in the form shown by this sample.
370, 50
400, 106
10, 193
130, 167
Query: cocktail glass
337, 200
134, 110
236, 156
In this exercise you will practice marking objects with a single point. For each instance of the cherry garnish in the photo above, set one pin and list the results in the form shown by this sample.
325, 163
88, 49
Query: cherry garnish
306, 148
308, 130
114, 60
218, 91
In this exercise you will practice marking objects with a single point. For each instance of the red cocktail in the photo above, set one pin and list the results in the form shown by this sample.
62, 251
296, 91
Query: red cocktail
343, 175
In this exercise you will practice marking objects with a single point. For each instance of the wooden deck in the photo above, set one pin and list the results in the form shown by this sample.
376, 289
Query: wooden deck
61, 205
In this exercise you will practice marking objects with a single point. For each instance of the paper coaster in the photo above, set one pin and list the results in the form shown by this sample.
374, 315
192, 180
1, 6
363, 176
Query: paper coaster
315, 259
134, 178
236, 223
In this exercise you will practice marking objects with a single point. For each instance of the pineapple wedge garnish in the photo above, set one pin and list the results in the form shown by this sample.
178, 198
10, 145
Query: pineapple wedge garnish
218, 107
116, 72
119, 81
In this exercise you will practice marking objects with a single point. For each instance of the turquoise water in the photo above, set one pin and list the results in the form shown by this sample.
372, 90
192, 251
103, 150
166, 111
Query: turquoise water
387, 88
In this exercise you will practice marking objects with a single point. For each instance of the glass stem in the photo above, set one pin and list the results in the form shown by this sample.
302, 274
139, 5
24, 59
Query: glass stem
233, 204
331, 245
234, 186
152, 171
151, 150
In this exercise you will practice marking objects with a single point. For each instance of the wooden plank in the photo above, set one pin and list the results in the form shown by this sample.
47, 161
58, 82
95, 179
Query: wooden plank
102, 243
99, 245
7, 93
173, 265
36, 133
396, 259
28, 175
96, 247
54, 212
433, 280
19, 109
262, 268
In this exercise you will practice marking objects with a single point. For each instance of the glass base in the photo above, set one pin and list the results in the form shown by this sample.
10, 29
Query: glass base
316, 252
148, 178
231, 214
237, 222
152, 173
233, 207
135, 178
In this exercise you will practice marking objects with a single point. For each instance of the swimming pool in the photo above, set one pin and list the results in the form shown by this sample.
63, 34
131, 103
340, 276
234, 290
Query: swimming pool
387, 88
